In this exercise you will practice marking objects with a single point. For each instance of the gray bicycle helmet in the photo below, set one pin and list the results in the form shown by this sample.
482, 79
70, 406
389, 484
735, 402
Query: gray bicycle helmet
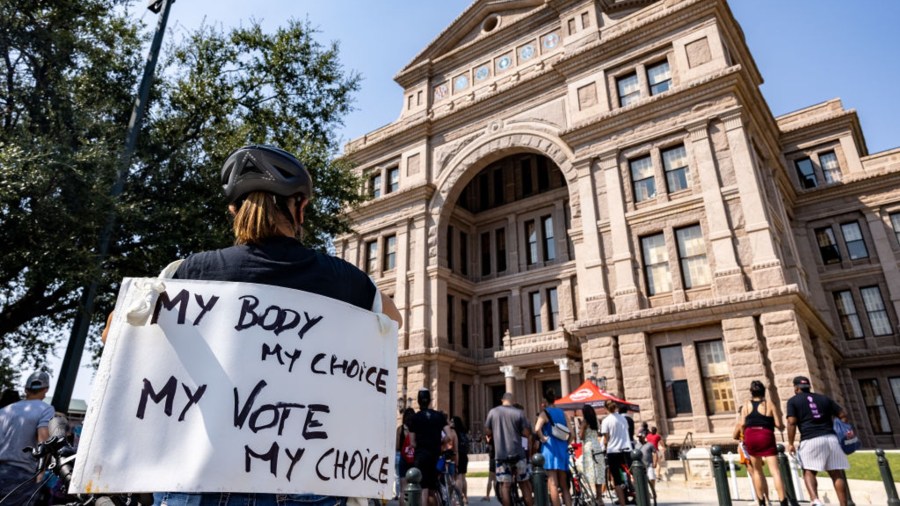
264, 168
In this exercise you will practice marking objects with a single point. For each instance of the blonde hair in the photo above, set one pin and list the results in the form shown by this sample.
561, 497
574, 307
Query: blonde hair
256, 219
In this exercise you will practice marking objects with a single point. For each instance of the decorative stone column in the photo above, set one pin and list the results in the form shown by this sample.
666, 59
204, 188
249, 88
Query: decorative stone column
727, 276
563, 364
509, 374
625, 293
886, 258
638, 372
790, 351
417, 322
589, 254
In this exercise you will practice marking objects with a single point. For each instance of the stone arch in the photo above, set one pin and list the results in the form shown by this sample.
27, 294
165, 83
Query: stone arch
466, 164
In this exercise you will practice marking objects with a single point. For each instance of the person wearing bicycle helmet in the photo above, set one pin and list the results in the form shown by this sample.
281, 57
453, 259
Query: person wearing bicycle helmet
267, 190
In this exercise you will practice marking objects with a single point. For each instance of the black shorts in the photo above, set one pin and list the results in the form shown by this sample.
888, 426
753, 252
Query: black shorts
616, 463
463, 467
427, 465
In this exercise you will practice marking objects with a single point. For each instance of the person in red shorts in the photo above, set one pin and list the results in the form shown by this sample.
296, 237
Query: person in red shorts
758, 419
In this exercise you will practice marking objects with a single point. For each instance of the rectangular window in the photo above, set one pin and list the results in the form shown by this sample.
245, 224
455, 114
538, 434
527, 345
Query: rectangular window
585, 20
856, 246
503, 310
675, 384
806, 173
828, 247
375, 186
371, 257
875, 406
553, 304
527, 180
485, 253
643, 182
895, 223
500, 244
543, 174
451, 321
571, 25
692, 254
656, 264
716, 377
534, 300
484, 195
487, 323
390, 252
629, 89
393, 175
452, 389
463, 253
464, 323
499, 188
830, 168
450, 233
895, 389
676, 168
549, 240
532, 243
846, 309
659, 77
878, 317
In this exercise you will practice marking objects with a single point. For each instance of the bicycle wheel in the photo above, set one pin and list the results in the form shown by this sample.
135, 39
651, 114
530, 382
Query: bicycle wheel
456, 498
587, 490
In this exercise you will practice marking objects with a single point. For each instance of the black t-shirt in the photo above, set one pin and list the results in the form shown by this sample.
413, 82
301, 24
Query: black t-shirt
427, 425
283, 261
814, 413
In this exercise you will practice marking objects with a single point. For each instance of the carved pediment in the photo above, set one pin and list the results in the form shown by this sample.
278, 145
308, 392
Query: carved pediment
613, 6
483, 18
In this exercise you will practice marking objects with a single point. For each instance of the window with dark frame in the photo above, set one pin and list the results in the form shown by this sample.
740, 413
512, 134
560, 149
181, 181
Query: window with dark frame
531, 253
375, 186
487, 323
485, 253
464, 323
871, 393
534, 300
895, 390
676, 168
553, 306
716, 377
846, 308
452, 392
503, 315
390, 253
676, 392
806, 172
500, 245
393, 175
659, 77
656, 264
692, 257
853, 238
895, 224
527, 180
451, 321
484, 194
543, 174
371, 257
629, 89
828, 248
463, 253
642, 178
831, 171
499, 187
875, 310
450, 251
549, 249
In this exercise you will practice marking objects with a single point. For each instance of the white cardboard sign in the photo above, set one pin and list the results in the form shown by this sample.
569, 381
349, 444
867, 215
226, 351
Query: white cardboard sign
238, 387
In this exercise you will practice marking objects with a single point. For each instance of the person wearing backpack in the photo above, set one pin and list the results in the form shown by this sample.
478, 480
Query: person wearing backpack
819, 448
406, 453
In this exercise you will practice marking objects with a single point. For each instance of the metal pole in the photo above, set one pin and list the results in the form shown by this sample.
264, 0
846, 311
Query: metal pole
539, 481
786, 476
641, 483
718, 464
888, 478
62, 395
413, 489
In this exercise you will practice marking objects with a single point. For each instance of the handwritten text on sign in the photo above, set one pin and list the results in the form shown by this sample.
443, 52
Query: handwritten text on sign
237, 387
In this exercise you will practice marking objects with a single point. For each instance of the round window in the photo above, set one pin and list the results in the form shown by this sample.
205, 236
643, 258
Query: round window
490, 23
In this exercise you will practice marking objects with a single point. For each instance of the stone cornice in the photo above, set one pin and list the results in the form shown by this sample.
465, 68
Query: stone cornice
852, 185
690, 314
391, 202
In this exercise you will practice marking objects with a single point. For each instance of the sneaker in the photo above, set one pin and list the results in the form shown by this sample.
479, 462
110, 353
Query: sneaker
817, 503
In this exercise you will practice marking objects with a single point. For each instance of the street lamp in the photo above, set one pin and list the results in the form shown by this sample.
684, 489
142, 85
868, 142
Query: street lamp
599, 382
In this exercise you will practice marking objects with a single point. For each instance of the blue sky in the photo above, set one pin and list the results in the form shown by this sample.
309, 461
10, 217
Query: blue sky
807, 50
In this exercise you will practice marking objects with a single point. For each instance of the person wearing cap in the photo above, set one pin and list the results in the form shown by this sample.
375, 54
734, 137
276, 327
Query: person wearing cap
507, 426
819, 449
429, 429
23, 424
267, 190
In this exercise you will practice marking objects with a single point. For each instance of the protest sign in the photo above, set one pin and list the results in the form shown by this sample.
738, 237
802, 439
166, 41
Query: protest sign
238, 387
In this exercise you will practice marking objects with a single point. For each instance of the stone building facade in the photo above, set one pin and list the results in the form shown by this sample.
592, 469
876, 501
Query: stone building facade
582, 188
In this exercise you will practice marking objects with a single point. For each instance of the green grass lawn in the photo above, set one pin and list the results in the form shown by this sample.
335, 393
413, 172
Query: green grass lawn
863, 466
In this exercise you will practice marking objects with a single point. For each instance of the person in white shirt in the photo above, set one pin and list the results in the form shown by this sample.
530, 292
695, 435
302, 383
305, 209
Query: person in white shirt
614, 430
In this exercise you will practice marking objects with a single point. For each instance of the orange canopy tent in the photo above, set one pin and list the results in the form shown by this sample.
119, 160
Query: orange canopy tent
590, 394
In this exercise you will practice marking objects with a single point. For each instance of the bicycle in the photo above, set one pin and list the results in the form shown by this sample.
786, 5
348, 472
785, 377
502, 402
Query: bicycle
582, 493
627, 480
515, 499
448, 493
